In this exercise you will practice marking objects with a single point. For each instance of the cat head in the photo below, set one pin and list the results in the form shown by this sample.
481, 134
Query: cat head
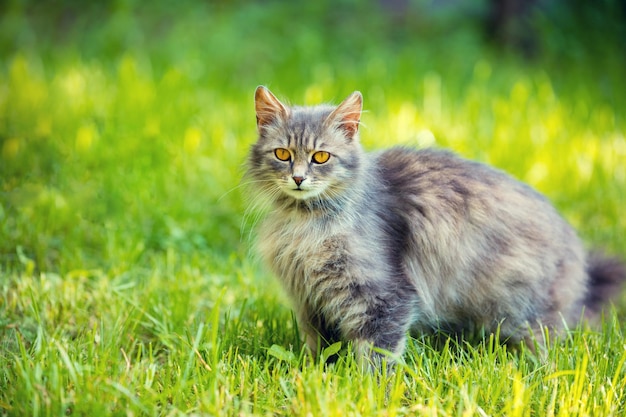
305, 153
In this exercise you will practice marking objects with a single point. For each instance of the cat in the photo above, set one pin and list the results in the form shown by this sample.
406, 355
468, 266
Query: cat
371, 247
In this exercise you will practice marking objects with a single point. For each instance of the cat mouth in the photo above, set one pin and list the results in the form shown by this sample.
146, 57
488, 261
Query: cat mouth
300, 193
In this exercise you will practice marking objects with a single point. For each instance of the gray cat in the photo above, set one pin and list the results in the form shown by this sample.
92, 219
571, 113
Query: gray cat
373, 246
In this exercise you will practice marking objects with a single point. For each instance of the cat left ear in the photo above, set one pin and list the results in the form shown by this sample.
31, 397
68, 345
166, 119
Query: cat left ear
347, 115
268, 107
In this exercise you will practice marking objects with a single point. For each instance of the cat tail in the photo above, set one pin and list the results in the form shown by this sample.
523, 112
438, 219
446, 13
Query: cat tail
606, 278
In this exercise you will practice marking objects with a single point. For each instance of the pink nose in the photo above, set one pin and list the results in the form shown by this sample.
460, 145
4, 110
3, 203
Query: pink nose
298, 180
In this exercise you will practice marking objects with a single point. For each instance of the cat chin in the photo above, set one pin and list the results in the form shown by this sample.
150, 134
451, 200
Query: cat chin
300, 194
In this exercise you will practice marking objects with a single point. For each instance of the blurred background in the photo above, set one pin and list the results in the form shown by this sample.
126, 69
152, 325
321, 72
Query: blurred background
124, 125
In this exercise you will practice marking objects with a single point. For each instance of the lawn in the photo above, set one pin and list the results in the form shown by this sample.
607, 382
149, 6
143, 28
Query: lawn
127, 281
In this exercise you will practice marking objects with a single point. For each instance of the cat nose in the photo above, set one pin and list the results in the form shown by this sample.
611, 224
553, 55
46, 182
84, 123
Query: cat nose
298, 180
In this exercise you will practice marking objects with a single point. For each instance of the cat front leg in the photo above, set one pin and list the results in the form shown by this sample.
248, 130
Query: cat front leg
309, 335
317, 332
311, 340
378, 333
375, 330
373, 358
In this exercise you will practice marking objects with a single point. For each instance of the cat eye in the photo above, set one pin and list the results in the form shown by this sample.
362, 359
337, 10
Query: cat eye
282, 154
321, 157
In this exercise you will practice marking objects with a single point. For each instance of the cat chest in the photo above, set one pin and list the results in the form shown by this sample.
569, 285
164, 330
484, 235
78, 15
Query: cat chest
303, 260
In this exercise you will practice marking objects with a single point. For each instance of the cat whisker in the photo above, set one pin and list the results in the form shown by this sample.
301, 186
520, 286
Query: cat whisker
257, 208
241, 184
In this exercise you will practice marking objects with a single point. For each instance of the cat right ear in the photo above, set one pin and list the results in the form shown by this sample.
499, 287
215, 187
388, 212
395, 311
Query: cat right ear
347, 115
268, 107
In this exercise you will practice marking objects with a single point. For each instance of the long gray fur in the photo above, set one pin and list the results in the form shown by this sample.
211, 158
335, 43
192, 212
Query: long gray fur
373, 246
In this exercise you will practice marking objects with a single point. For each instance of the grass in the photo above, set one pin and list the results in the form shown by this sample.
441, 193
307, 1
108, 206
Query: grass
126, 282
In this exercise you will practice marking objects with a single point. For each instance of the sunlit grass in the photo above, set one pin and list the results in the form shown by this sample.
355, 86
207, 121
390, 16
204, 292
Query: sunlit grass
126, 282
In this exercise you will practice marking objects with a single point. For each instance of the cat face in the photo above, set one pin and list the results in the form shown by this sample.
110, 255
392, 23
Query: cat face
305, 153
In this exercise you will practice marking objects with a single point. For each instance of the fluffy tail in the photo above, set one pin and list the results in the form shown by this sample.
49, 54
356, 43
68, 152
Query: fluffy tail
606, 277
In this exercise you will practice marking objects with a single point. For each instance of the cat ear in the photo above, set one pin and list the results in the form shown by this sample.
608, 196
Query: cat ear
268, 107
347, 115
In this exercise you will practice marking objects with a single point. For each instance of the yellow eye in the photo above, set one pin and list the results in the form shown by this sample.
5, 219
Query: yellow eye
321, 157
282, 154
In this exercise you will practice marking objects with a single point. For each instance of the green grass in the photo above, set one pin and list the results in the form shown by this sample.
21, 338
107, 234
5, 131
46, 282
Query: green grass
126, 282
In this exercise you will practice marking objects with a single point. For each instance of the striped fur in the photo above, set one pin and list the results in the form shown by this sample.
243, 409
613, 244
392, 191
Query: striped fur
372, 246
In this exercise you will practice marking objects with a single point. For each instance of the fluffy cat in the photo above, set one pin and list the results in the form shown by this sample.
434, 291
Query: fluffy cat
373, 246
